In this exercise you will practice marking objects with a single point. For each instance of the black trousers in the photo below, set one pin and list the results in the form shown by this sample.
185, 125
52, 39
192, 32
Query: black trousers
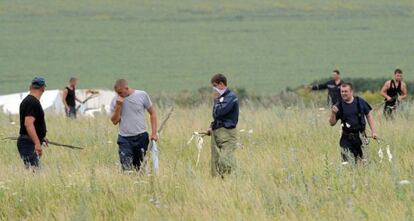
26, 149
132, 151
71, 113
351, 145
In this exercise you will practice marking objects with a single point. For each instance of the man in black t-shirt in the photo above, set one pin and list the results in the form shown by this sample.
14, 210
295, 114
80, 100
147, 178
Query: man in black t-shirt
32, 125
353, 112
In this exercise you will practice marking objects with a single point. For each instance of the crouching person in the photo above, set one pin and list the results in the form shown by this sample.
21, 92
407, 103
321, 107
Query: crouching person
128, 110
223, 128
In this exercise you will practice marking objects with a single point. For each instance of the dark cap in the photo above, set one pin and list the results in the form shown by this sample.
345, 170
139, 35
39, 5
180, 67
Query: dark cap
38, 82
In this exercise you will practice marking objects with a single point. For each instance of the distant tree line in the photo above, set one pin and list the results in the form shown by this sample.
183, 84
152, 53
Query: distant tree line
369, 84
366, 87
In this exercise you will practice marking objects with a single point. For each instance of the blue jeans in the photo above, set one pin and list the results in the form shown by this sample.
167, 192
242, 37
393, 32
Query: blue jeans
132, 150
26, 149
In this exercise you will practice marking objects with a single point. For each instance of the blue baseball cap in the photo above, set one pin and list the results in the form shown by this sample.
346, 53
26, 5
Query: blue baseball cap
39, 82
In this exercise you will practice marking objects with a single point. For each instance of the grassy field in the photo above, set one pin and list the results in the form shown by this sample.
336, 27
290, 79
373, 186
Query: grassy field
289, 169
171, 46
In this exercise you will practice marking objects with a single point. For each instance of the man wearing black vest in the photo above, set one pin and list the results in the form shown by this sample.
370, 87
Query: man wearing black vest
394, 91
353, 113
69, 98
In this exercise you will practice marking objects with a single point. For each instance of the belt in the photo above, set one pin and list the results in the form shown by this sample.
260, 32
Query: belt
138, 135
24, 136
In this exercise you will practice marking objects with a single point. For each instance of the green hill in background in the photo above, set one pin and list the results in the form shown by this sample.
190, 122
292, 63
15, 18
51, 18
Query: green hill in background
169, 46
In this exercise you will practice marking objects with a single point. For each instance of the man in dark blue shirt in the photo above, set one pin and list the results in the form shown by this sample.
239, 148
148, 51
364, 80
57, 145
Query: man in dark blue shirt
223, 128
353, 112
333, 86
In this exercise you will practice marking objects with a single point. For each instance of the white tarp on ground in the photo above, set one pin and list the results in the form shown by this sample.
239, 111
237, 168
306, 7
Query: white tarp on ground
51, 101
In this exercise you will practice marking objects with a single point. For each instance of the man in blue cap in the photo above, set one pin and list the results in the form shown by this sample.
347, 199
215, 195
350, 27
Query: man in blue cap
32, 125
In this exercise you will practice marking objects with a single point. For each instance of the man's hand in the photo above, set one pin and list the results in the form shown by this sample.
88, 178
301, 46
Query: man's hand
388, 98
400, 98
374, 135
154, 137
216, 94
119, 101
334, 109
38, 149
46, 142
67, 109
209, 131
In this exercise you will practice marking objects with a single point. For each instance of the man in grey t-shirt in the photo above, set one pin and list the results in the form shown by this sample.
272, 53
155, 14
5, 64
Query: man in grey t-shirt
128, 110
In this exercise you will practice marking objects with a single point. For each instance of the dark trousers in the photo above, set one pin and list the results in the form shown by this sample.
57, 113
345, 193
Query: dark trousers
71, 113
351, 144
389, 110
26, 149
132, 151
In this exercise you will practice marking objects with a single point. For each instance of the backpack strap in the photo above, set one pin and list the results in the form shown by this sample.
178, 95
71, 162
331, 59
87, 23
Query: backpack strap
392, 84
360, 114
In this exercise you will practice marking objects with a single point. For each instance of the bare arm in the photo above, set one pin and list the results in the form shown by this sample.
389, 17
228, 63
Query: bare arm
371, 124
31, 131
384, 90
153, 119
116, 115
332, 119
403, 90
65, 94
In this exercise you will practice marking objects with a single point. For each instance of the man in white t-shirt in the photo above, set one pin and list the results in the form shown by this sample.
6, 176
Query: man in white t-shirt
128, 110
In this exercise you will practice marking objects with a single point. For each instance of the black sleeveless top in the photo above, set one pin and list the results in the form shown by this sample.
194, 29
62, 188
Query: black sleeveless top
394, 90
70, 98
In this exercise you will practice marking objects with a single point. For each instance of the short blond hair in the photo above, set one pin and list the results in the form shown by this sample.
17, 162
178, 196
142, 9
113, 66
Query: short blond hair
120, 83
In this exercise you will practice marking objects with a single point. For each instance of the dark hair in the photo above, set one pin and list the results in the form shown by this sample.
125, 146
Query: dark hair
398, 71
219, 78
347, 85
336, 71
73, 79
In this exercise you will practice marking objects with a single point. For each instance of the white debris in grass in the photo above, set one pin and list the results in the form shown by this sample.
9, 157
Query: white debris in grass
199, 143
389, 153
380, 154
404, 182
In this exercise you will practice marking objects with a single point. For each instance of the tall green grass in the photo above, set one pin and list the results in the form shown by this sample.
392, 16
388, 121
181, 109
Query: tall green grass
288, 169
